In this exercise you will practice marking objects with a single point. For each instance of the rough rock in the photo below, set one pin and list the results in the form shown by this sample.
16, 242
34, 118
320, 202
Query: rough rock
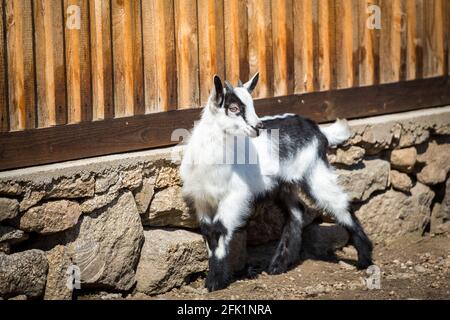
392, 214
169, 209
414, 133
9, 208
349, 156
437, 219
167, 177
131, 179
57, 287
50, 217
404, 159
12, 235
72, 188
144, 194
400, 181
106, 245
23, 273
20, 297
98, 202
362, 180
437, 163
169, 257
31, 198
105, 181
446, 201
375, 137
10, 188
5, 247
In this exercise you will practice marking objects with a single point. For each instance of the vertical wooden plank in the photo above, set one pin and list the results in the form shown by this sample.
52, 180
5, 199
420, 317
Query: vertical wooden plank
159, 55
390, 41
355, 41
50, 77
187, 53
138, 64
21, 73
283, 49
419, 39
368, 52
236, 40
211, 44
403, 39
4, 125
127, 58
434, 38
411, 56
344, 44
447, 35
102, 73
303, 46
78, 62
325, 38
260, 45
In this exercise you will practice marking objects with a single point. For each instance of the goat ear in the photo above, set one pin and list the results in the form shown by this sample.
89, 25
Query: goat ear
217, 94
251, 84
228, 86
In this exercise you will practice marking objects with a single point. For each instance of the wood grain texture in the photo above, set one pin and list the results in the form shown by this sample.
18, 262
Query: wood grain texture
211, 44
368, 45
20, 61
88, 139
127, 58
447, 35
160, 73
434, 38
4, 118
303, 46
101, 57
260, 45
50, 68
420, 39
390, 41
78, 62
236, 40
187, 53
283, 48
411, 51
344, 44
326, 44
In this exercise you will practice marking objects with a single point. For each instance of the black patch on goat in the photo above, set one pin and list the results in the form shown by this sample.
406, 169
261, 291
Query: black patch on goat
232, 98
295, 133
218, 273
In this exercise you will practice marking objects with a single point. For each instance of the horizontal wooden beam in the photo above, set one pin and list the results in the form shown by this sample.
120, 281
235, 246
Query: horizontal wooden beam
75, 141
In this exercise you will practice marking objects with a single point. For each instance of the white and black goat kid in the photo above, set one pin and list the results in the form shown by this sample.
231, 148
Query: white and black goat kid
224, 192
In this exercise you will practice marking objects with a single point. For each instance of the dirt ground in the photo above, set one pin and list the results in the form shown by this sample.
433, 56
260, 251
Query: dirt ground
411, 268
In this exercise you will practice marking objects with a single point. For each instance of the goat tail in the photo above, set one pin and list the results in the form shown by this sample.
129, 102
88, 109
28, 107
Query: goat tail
338, 132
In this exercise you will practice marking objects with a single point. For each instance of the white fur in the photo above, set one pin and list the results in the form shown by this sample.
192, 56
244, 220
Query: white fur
338, 132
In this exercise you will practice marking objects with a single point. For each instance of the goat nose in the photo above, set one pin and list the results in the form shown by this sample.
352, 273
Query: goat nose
260, 125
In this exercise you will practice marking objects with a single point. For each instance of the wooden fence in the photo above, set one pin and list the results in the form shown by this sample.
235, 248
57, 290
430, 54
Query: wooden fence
109, 79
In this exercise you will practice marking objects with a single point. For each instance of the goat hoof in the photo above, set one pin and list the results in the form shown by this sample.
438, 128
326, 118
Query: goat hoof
276, 269
252, 272
214, 284
364, 264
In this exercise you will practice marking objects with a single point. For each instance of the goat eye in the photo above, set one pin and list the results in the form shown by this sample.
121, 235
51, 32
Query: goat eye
233, 109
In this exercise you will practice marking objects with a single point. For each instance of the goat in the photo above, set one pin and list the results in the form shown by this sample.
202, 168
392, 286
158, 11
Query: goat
223, 189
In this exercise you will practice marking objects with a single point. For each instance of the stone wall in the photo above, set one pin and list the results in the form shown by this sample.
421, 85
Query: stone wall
119, 224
